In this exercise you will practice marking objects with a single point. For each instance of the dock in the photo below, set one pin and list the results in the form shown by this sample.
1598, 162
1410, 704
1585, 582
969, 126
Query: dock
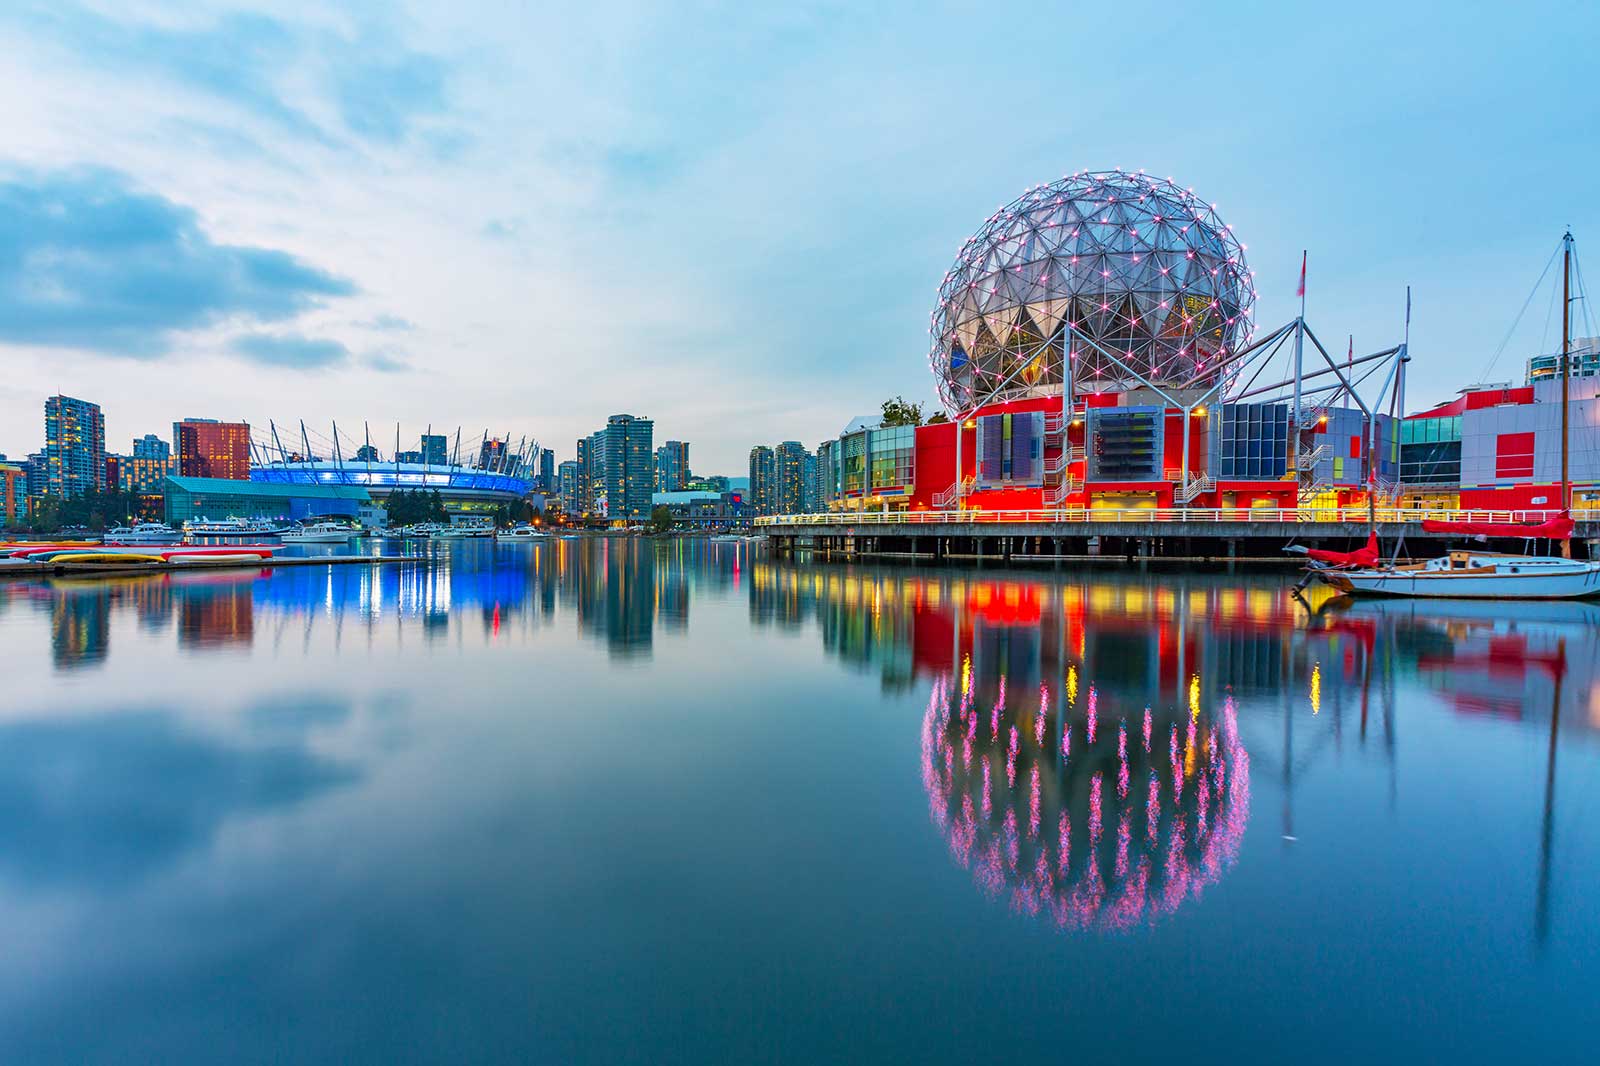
67, 568
1187, 534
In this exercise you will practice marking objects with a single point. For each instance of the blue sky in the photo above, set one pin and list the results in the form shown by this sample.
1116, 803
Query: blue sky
525, 217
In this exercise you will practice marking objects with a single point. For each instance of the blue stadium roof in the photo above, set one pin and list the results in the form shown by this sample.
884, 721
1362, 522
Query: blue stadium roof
221, 485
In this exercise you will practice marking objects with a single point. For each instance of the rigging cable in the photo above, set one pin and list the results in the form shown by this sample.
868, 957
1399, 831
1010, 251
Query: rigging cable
1516, 321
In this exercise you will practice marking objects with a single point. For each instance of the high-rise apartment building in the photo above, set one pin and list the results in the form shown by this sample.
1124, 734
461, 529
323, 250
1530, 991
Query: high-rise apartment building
568, 480
142, 477
367, 453
672, 466
763, 481
37, 471
811, 476
435, 449
584, 487
13, 493
547, 471
144, 472
151, 446
789, 459
492, 454
74, 446
205, 447
627, 458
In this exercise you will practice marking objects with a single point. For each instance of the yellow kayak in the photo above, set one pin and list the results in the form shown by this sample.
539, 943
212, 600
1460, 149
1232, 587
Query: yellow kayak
108, 557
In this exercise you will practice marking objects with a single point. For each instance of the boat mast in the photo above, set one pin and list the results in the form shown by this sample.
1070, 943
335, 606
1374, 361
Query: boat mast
1566, 375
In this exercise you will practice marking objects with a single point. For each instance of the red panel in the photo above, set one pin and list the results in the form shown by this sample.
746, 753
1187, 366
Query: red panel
1495, 397
1516, 498
1355, 447
1019, 499
935, 468
1475, 401
1513, 455
1172, 442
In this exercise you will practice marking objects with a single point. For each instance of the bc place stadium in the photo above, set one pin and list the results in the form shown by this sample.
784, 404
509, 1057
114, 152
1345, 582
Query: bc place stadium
478, 473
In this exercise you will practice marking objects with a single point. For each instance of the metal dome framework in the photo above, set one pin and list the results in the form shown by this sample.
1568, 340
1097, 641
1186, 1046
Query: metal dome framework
1129, 279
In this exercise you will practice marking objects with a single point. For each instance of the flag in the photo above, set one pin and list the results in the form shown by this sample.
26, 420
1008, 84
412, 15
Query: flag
1301, 291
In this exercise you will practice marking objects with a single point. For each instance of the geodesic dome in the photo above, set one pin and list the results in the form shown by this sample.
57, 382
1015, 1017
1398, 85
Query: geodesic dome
1096, 263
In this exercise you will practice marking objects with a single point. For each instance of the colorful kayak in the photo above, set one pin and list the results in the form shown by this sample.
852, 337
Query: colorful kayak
47, 551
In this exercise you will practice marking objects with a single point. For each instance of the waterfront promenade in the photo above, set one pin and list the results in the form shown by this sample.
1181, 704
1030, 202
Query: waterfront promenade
1187, 533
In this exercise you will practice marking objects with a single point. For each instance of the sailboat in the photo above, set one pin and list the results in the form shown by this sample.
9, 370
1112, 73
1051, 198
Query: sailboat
1466, 574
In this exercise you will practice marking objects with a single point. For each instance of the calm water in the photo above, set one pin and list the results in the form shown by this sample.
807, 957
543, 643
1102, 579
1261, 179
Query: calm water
631, 802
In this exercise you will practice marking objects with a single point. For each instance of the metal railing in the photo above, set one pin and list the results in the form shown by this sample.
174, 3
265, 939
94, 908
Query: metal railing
1220, 515
1203, 483
944, 499
1072, 453
1307, 460
1055, 495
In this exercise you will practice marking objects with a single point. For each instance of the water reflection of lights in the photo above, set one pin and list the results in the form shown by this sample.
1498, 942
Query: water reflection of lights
1063, 831
1066, 833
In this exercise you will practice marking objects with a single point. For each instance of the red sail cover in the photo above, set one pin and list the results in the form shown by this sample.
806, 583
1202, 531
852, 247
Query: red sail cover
1558, 528
1364, 556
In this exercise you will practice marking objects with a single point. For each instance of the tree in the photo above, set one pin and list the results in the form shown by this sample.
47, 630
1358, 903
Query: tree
900, 412
938, 417
95, 510
661, 520
407, 507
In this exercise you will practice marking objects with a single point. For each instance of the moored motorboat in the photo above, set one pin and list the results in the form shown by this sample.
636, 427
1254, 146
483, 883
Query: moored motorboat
461, 527
142, 533
317, 533
522, 533
230, 529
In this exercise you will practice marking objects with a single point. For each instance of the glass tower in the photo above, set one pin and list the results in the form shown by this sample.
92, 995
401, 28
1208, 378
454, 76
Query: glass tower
208, 448
74, 446
629, 464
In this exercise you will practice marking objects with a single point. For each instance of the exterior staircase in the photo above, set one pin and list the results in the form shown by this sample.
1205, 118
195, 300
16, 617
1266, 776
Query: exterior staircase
943, 501
1196, 486
1056, 495
1307, 460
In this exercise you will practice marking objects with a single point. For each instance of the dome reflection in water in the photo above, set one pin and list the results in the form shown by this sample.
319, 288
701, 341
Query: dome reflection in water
1080, 808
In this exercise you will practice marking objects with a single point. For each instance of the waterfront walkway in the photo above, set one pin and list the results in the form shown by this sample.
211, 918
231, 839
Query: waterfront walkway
1189, 533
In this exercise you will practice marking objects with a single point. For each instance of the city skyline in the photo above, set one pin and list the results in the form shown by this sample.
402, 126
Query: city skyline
456, 239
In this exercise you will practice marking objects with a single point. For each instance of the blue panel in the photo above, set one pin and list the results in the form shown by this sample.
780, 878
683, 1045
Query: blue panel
1024, 447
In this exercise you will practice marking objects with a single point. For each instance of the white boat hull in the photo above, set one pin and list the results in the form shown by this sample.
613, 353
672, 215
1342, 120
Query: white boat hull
1492, 578
315, 538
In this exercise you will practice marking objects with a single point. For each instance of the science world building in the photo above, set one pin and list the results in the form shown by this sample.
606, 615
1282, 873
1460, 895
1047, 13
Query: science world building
1095, 347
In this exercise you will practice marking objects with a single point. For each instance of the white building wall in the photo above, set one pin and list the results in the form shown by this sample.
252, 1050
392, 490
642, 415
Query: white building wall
1481, 430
